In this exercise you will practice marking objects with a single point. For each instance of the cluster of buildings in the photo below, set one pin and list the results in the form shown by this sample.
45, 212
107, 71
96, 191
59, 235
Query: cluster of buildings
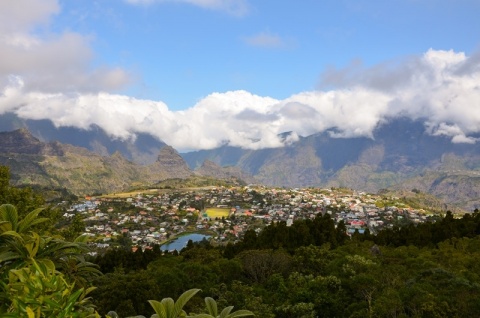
143, 220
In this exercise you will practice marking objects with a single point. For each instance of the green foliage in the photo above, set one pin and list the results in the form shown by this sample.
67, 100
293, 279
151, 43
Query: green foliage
38, 290
418, 271
300, 310
259, 265
127, 293
312, 259
212, 310
302, 233
123, 257
19, 247
9, 220
241, 295
75, 228
24, 199
168, 308
308, 269
42, 276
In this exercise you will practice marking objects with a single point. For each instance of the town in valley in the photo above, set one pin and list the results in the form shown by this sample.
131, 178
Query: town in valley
151, 218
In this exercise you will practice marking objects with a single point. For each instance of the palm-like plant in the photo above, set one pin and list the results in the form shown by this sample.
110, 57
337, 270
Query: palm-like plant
38, 290
9, 219
19, 246
69, 258
212, 309
38, 264
168, 308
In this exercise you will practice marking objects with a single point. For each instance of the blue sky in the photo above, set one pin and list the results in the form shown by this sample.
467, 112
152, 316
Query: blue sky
201, 73
180, 52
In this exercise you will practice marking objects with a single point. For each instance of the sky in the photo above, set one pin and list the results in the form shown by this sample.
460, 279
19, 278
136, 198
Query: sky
198, 74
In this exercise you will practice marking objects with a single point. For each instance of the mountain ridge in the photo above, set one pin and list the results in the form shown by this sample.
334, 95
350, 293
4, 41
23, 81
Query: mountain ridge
399, 153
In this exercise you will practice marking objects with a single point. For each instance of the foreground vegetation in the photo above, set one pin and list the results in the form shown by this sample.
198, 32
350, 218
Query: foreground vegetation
44, 275
310, 269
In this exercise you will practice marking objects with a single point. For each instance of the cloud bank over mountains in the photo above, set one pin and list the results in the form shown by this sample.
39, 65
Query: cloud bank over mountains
51, 76
443, 87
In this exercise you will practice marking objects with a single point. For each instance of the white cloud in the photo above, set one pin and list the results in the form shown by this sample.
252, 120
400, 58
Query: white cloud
450, 130
440, 89
265, 40
462, 139
23, 14
234, 7
49, 62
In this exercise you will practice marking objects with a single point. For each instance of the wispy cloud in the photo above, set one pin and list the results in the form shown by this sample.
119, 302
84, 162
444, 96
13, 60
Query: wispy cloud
265, 40
233, 7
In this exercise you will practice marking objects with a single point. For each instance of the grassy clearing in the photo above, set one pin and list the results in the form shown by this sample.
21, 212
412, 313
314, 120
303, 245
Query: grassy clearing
130, 194
217, 212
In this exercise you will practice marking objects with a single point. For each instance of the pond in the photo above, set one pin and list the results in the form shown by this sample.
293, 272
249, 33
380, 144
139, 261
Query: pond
180, 242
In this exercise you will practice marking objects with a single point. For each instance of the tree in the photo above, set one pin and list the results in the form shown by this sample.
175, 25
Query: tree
26, 200
313, 259
259, 265
75, 228
245, 296
300, 310
127, 293
23, 198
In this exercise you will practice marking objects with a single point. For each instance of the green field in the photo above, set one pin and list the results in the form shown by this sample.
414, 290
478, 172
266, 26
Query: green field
217, 212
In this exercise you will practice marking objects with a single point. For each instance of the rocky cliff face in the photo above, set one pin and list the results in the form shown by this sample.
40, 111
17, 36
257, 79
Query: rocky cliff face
211, 169
23, 142
169, 165
81, 171
169, 158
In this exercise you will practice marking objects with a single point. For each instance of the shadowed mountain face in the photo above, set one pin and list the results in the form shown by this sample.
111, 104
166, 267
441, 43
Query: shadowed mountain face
399, 146
22, 142
398, 155
143, 150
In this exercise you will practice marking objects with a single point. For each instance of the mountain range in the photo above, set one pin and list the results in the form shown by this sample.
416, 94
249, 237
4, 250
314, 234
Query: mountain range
400, 155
